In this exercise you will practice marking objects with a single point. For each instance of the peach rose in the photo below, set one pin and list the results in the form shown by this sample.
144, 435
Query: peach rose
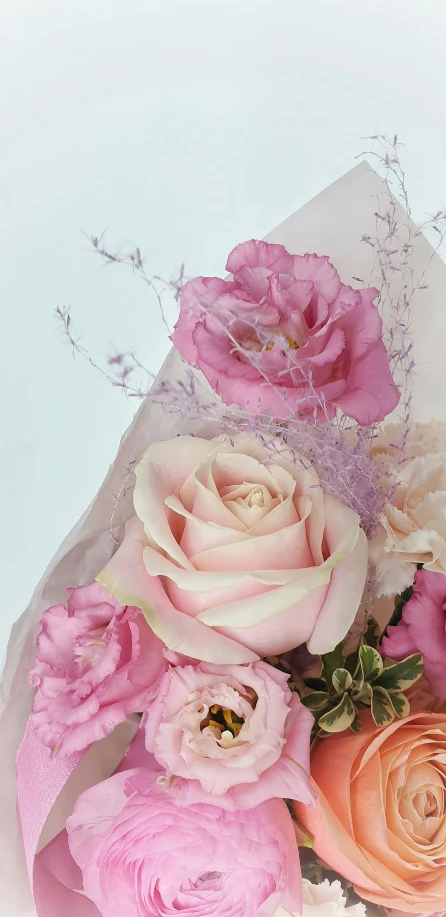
381, 816
413, 525
237, 552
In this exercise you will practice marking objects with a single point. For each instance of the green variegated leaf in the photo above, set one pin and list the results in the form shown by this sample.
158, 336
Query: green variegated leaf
372, 633
340, 717
356, 724
381, 707
358, 675
372, 663
317, 700
331, 662
400, 704
351, 663
316, 684
342, 680
364, 696
402, 675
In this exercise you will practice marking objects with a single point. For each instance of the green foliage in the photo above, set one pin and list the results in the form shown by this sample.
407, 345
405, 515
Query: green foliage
358, 681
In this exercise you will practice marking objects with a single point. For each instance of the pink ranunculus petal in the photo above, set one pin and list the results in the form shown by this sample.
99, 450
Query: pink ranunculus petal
141, 853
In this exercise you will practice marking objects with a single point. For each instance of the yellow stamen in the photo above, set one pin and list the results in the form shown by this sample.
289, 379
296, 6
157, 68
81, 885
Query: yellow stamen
227, 716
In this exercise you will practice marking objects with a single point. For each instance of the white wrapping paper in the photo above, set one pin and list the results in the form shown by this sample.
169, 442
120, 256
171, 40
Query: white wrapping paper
331, 224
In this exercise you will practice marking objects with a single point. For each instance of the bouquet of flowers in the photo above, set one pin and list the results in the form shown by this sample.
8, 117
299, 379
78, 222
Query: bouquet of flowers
228, 695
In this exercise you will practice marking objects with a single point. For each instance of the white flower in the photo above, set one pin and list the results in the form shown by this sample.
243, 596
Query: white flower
423, 438
325, 900
413, 525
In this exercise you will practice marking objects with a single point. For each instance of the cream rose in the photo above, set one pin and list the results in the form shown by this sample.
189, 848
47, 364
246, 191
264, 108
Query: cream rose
236, 552
413, 525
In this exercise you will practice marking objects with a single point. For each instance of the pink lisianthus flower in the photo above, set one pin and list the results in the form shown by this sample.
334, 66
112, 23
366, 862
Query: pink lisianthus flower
141, 854
285, 337
234, 735
422, 629
96, 663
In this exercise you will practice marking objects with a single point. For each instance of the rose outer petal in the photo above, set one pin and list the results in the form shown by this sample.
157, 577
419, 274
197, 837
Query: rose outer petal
125, 575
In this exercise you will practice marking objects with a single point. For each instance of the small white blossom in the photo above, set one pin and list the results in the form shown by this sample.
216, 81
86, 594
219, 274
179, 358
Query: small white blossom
325, 900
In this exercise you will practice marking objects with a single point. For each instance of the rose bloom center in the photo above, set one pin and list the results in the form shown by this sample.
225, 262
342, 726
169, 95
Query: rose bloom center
249, 502
422, 801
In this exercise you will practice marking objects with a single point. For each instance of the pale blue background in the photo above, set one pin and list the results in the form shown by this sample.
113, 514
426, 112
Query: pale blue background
184, 126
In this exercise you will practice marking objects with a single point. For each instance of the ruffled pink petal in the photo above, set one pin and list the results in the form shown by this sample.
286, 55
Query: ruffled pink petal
320, 271
370, 394
399, 642
423, 629
196, 298
256, 253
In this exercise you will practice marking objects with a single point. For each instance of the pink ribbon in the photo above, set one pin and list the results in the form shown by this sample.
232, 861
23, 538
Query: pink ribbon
52, 873
41, 777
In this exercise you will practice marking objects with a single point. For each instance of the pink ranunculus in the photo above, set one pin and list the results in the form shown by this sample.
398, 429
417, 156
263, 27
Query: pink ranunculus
141, 854
422, 629
237, 552
96, 663
285, 336
234, 735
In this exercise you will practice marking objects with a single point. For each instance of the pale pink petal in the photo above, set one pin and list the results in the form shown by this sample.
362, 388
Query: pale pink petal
125, 575
156, 479
237, 862
93, 815
346, 583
